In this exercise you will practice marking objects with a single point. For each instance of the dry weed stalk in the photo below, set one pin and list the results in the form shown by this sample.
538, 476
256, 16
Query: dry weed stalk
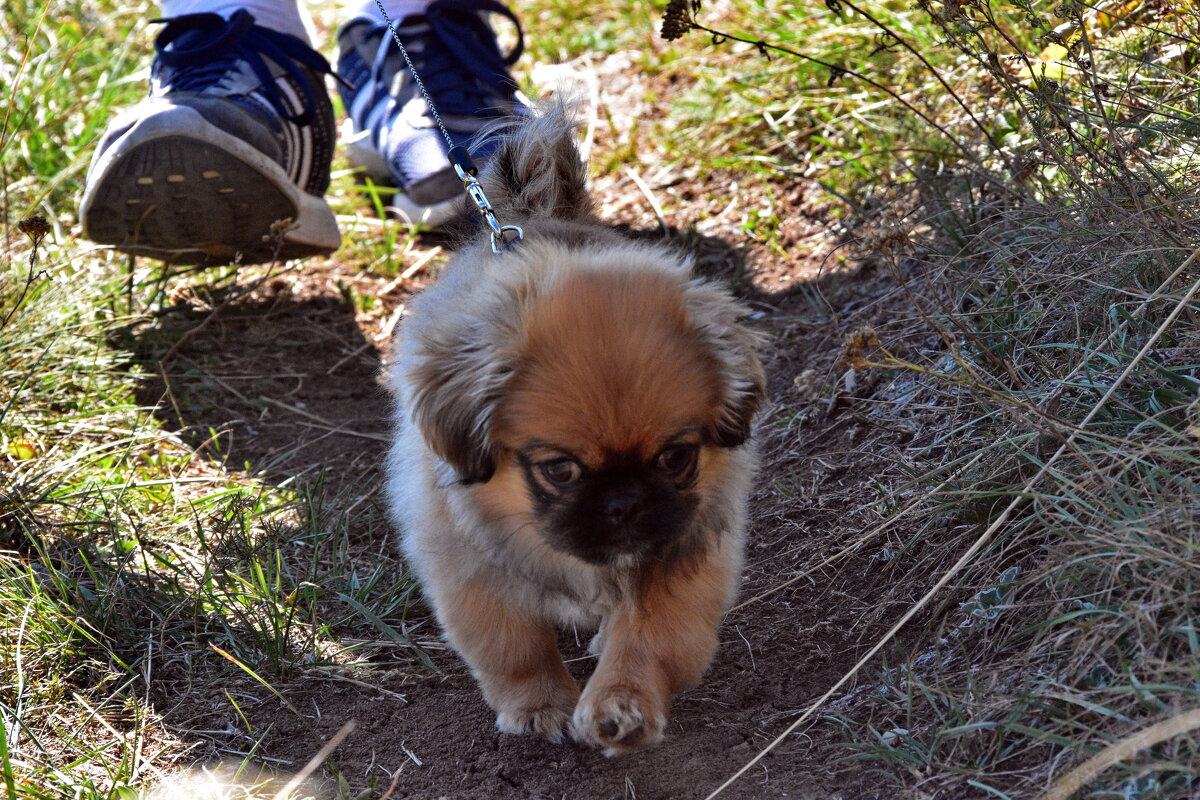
1085, 773
858, 343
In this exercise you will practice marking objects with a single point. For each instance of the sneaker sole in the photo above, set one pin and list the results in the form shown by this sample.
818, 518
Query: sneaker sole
200, 197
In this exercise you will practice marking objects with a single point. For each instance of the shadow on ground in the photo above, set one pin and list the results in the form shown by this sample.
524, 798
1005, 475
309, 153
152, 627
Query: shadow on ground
284, 382
282, 387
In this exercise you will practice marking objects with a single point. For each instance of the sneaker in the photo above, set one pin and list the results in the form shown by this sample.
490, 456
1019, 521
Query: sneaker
237, 135
395, 136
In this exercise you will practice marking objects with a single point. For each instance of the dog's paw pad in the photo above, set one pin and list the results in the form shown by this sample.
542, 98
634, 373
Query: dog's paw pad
618, 721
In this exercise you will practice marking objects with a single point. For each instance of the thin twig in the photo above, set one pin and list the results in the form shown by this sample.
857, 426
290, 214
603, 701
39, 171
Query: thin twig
392, 786
410, 271
332, 676
649, 195
352, 354
386, 331
977, 545
316, 761
324, 423
35, 228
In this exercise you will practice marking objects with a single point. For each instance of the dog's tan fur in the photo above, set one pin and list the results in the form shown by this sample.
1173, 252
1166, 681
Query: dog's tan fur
580, 339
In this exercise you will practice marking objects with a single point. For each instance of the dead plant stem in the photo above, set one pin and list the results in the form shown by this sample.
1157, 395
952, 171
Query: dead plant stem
983, 538
317, 760
1081, 776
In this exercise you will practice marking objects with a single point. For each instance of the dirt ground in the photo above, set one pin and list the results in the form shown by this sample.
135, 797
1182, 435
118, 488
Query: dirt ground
285, 380
289, 375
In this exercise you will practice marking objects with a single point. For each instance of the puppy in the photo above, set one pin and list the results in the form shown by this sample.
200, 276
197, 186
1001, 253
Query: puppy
573, 448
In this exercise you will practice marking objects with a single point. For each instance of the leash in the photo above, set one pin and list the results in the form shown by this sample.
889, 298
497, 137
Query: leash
503, 236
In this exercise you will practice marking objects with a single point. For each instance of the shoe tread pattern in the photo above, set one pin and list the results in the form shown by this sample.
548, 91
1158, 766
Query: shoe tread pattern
183, 200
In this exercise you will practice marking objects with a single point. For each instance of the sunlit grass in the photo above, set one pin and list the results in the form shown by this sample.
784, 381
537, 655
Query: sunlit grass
123, 548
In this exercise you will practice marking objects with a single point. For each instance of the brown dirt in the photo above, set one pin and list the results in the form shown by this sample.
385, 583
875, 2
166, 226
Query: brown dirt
282, 378
286, 373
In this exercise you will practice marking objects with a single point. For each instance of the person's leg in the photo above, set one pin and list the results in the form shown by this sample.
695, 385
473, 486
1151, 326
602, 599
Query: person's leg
238, 132
237, 136
396, 9
278, 15
395, 135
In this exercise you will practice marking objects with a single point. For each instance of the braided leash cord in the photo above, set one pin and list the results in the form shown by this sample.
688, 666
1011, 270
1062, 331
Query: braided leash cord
503, 236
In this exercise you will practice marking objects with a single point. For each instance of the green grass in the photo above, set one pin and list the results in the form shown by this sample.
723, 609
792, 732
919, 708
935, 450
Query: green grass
122, 550
1046, 219
557, 31
68, 66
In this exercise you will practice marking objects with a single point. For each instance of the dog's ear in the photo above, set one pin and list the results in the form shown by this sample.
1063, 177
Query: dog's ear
743, 382
537, 169
455, 387
746, 392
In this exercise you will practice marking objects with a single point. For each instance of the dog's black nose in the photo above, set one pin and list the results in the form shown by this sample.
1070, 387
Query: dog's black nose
621, 508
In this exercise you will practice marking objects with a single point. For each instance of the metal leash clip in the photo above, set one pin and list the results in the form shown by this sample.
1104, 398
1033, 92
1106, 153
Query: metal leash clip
503, 236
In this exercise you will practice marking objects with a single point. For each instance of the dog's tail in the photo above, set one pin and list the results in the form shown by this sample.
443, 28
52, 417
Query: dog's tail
537, 170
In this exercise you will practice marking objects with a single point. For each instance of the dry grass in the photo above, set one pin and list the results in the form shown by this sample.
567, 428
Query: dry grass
1031, 249
1055, 608
1091, 494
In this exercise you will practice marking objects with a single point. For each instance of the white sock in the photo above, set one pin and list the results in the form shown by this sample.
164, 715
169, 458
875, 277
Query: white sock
278, 15
396, 9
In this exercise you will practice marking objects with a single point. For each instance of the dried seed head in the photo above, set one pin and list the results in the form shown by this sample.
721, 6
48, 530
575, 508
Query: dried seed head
676, 20
35, 227
855, 348
277, 230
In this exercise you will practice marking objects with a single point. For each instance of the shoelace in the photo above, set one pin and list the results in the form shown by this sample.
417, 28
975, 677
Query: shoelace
204, 58
460, 55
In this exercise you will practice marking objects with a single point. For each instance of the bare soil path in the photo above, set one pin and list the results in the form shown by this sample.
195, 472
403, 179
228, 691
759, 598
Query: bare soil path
284, 380
288, 378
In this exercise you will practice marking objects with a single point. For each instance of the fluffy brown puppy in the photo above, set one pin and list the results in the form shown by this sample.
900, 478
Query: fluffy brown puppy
573, 448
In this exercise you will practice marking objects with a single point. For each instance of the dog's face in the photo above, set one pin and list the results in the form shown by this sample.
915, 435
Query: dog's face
608, 416
621, 506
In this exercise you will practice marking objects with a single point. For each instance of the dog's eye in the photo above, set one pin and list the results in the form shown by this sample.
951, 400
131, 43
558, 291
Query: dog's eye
561, 471
677, 458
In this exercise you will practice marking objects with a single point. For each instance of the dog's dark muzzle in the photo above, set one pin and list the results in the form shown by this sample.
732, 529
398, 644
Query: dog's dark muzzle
618, 518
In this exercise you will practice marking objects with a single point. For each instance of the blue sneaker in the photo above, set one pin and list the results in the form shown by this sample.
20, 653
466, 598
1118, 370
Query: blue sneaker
395, 135
237, 134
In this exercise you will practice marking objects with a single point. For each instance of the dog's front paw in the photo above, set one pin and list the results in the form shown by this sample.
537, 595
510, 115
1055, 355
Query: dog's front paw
618, 719
543, 710
549, 722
